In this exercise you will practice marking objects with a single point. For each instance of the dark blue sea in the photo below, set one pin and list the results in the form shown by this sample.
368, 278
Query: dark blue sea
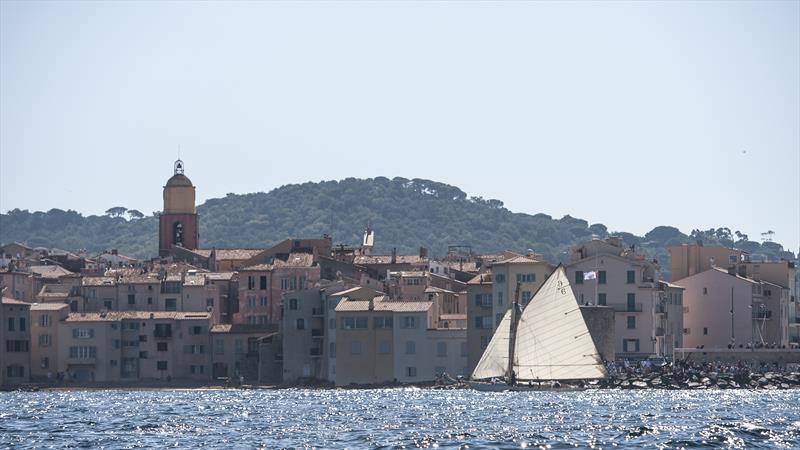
399, 418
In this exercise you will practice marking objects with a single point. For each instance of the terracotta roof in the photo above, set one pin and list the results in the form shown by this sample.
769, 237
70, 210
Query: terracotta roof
204, 252
518, 260
55, 291
49, 306
387, 259
433, 289
241, 328
409, 273
113, 316
11, 301
257, 268
453, 317
238, 254
220, 276
296, 260
179, 179
721, 270
381, 304
194, 280
149, 278
482, 278
49, 271
668, 284
99, 281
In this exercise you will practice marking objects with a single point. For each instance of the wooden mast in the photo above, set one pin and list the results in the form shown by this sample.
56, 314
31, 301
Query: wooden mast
512, 337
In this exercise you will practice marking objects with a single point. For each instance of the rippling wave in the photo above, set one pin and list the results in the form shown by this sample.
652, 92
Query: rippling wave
399, 418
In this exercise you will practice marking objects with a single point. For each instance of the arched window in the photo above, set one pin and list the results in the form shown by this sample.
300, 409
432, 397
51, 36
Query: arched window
177, 233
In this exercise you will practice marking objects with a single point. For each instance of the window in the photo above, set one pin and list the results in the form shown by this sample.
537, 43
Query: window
705, 291
293, 304
15, 371
526, 277
196, 330
300, 324
16, 346
161, 365
44, 320
131, 299
631, 276
143, 355
262, 282
631, 302
251, 282
162, 346
263, 300
332, 349
384, 322
631, 322
630, 345
44, 340
45, 362
601, 298
142, 338
332, 324
284, 284
239, 346
108, 304
355, 348
219, 346
209, 303
385, 347
21, 324
500, 297
601, 277
484, 342
162, 330
411, 348
441, 349
499, 278
408, 322
411, 372
705, 331
578, 277
82, 333
170, 304
10, 324
197, 370
149, 300
526, 297
82, 352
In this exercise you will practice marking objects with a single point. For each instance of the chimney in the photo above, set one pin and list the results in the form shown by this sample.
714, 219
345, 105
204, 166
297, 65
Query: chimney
372, 304
394, 255
423, 252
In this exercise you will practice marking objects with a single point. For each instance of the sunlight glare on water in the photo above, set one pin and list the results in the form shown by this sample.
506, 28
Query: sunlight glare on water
400, 418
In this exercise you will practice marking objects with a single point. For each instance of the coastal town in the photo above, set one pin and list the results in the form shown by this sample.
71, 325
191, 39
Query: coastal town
307, 312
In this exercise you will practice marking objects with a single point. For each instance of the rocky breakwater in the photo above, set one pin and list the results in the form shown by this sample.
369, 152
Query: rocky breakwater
702, 380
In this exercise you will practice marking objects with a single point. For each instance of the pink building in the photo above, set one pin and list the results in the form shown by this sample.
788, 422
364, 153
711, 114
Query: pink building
261, 287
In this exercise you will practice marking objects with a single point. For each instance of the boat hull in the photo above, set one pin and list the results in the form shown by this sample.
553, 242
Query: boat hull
484, 386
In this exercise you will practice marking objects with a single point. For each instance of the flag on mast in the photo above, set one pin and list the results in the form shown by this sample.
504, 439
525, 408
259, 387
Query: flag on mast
591, 275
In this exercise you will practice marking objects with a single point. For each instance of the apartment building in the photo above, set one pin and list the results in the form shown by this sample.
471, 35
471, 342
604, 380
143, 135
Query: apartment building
45, 319
480, 318
528, 271
15, 335
380, 340
236, 349
135, 346
262, 286
606, 273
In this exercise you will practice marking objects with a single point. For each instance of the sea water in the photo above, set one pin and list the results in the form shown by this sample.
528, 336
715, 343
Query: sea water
399, 418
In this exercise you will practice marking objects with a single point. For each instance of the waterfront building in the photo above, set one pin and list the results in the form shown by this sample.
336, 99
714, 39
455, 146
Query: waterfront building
135, 346
236, 349
530, 271
25, 283
15, 335
606, 273
480, 318
45, 318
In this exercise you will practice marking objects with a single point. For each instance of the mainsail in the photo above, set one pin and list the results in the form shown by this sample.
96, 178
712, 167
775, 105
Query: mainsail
552, 341
494, 361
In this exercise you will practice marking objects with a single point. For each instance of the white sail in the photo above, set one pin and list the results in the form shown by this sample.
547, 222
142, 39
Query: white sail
494, 361
552, 340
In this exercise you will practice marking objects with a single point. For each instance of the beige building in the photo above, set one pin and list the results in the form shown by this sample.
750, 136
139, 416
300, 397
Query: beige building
718, 309
528, 271
236, 350
45, 319
380, 341
15, 335
606, 273
135, 346
480, 320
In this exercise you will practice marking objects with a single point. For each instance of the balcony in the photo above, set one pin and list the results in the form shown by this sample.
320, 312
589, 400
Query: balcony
763, 314
162, 334
317, 312
637, 307
317, 333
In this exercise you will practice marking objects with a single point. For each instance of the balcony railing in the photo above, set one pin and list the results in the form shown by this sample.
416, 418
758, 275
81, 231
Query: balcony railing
317, 312
317, 332
637, 307
762, 314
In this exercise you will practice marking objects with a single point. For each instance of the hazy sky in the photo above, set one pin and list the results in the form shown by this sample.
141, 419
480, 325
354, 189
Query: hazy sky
630, 114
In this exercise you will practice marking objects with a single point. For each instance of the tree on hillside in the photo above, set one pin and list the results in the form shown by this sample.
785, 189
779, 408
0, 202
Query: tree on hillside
135, 214
116, 211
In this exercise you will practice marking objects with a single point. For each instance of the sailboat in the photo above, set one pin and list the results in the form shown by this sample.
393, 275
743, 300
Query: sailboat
548, 342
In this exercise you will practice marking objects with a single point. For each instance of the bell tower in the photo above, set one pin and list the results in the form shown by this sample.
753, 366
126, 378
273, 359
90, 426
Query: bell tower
178, 224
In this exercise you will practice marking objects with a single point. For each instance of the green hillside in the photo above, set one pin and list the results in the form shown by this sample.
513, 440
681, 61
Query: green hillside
406, 214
